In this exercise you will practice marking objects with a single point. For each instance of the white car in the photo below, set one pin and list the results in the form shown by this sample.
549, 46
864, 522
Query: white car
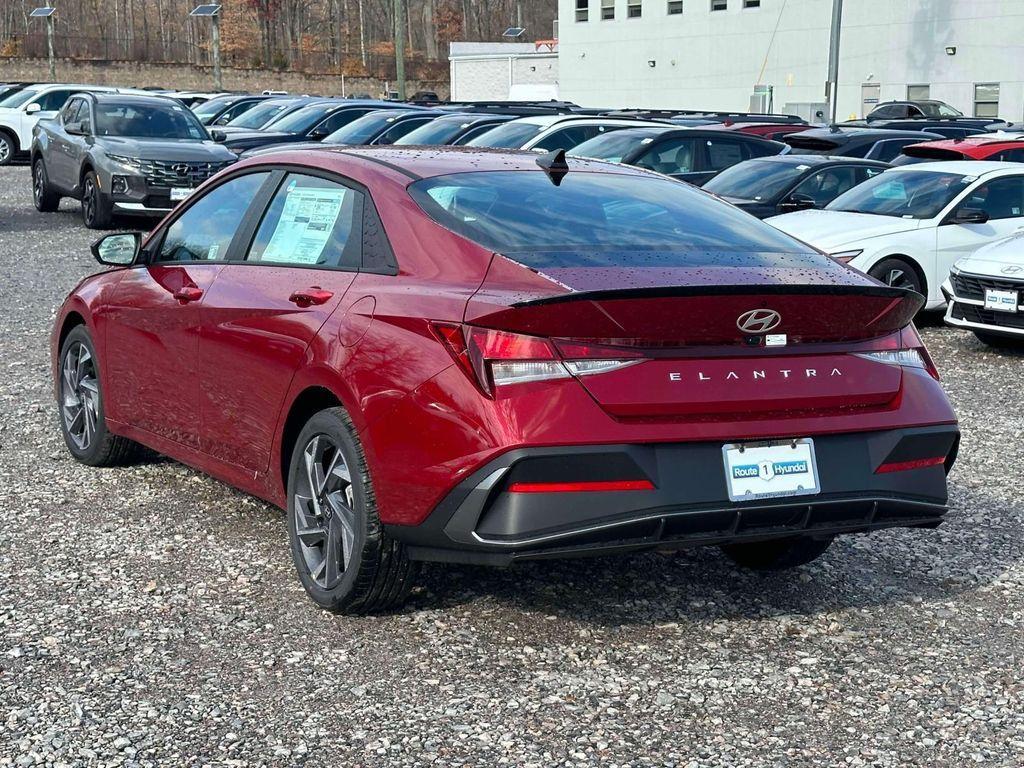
546, 133
21, 110
908, 225
985, 292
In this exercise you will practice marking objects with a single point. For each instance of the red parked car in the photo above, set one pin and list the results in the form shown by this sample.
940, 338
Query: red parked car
486, 356
981, 147
773, 131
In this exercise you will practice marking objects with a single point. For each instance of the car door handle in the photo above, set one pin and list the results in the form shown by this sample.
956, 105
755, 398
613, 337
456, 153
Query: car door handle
309, 296
188, 293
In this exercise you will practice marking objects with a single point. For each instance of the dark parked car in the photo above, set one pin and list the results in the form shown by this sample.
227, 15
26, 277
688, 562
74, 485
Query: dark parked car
951, 129
690, 154
768, 186
899, 110
451, 128
223, 109
121, 154
377, 127
311, 123
645, 367
870, 143
262, 115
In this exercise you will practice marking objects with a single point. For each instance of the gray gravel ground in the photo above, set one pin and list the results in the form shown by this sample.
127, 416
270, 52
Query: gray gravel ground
150, 616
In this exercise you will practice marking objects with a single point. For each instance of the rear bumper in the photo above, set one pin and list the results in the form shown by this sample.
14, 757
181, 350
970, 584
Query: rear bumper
481, 521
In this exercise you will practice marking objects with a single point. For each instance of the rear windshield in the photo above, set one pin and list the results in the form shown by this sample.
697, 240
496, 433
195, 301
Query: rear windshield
599, 219
259, 116
616, 145
512, 135
439, 131
756, 179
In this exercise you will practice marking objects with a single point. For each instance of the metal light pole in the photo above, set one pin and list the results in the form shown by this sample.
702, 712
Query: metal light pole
832, 86
212, 11
47, 13
400, 48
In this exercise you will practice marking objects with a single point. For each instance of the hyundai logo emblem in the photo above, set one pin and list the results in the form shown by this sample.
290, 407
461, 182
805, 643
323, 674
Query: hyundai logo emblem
758, 321
181, 169
1012, 269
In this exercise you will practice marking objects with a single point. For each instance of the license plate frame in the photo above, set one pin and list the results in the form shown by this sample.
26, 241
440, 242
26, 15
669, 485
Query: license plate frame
778, 471
999, 300
180, 193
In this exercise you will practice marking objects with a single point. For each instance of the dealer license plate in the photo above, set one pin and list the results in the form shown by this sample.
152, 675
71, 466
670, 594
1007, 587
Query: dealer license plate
179, 193
770, 470
1000, 301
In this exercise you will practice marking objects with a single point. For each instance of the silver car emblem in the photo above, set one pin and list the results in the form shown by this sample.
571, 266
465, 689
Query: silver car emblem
1012, 269
758, 321
181, 169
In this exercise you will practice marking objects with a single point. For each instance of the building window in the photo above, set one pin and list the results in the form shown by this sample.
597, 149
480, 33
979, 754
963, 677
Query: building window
675, 7
986, 100
918, 92
633, 9
719, 5
607, 9
751, 3
582, 10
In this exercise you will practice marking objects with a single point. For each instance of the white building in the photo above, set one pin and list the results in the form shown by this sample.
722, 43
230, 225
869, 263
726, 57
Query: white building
709, 54
503, 71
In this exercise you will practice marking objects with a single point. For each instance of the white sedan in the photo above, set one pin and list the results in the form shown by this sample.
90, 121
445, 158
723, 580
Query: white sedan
985, 292
907, 226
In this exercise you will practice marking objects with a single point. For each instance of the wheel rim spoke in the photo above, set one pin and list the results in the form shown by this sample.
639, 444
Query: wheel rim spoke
80, 395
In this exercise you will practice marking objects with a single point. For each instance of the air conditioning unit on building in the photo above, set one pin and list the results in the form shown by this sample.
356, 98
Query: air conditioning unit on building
761, 99
811, 111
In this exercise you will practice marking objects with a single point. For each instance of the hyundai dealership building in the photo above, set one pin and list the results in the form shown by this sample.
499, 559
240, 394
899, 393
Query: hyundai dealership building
735, 54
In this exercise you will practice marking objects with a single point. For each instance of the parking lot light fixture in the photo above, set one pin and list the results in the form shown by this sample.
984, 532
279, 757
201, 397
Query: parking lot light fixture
46, 12
212, 11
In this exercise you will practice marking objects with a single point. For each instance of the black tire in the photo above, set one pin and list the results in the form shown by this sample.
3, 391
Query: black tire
97, 210
43, 196
1000, 342
101, 448
777, 554
8, 149
899, 273
375, 573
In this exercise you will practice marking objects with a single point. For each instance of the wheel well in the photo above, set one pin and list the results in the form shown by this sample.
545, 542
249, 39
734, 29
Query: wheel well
71, 321
912, 262
13, 137
81, 176
310, 402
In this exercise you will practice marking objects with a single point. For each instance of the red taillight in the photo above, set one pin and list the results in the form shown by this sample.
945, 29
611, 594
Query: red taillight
496, 358
582, 487
903, 466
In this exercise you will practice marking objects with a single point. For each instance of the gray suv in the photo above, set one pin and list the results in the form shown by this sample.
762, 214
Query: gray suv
121, 154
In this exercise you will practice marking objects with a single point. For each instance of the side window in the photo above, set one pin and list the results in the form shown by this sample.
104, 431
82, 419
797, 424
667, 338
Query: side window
724, 153
757, 149
54, 100
472, 133
85, 116
338, 120
1000, 198
567, 138
311, 222
70, 112
205, 231
886, 113
234, 111
399, 129
888, 150
672, 156
825, 186
1012, 156
863, 173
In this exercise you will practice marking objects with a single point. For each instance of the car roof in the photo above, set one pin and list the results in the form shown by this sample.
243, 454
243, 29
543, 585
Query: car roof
965, 167
797, 159
549, 120
130, 98
855, 132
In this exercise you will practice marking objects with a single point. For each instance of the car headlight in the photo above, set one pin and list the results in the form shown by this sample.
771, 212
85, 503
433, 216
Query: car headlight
845, 257
128, 162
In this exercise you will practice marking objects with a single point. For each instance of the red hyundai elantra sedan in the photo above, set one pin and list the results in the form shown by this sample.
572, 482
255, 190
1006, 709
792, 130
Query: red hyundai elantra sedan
483, 357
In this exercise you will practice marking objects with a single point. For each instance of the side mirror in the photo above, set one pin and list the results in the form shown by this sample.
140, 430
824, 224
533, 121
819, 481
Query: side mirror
119, 250
319, 133
969, 216
34, 107
76, 128
218, 136
797, 202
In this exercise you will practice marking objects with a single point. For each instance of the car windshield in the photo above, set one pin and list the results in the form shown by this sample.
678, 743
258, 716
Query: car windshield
148, 121
362, 130
18, 98
436, 132
601, 220
910, 194
939, 109
257, 117
615, 145
756, 179
301, 120
211, 107
511, 135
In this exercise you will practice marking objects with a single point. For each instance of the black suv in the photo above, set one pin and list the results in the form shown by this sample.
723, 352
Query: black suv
121, 154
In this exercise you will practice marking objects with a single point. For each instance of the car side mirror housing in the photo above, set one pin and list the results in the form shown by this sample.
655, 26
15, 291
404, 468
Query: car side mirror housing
34, 107
797, 203
118, 250
218, 136
77, 128
969, 216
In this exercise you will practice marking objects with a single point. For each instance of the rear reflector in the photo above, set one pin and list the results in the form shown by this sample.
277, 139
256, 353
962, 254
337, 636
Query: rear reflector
583, 487
903, 466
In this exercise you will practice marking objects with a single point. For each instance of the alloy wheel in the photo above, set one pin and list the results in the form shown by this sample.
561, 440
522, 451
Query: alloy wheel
89, 201
38, 182
5, 150
80, 395
324, 509
898, 278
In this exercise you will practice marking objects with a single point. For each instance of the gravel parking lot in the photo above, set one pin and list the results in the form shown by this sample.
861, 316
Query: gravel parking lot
150, 615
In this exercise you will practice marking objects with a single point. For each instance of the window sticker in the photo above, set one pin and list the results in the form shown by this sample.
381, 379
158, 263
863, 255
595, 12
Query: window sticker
305, 226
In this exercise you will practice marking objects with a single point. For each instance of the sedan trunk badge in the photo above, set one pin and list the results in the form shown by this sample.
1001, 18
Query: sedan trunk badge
758, 321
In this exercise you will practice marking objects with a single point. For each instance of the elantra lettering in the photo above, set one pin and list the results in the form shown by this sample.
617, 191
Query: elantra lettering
784, 373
